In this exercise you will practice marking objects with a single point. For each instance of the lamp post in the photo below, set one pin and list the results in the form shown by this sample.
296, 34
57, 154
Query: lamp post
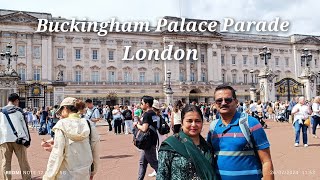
307, 76
9, 77
251, 72
265, 54
169, 77
169, 92
7, 55
306, 57
252, 89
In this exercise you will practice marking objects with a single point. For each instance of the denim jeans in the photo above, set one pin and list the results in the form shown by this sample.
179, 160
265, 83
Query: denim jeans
316, 121
304, 128
129, 124
147, 156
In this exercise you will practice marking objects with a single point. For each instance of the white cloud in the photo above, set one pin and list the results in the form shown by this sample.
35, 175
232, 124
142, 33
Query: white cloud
303, 15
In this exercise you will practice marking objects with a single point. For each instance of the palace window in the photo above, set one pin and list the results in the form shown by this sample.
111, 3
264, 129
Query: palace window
112, 76
234, 78
21, 50
94, 54
36, 52
95, 76
157, 77
142, 76
78, 76
202, 58
256, 78
181, 76
255, 60
233, 60
245, 60
245, 78
222, 60
78, 54
22, 73
192, 77
223, 78
60, 53
36, 75
203, 77
127, 76
111, 55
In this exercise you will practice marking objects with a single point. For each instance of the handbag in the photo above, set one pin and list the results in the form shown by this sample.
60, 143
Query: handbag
19, 140
143, 140
307, 122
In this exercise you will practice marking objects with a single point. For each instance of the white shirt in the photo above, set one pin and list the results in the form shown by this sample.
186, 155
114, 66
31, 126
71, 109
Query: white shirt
6, 133
315, 109
253, 107
302, 114
95, 115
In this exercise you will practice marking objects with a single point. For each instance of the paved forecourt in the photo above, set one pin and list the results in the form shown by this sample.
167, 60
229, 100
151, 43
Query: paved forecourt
119, 157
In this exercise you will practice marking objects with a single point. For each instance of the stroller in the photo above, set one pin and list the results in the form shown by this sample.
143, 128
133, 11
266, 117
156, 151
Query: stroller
259, 116
281, 117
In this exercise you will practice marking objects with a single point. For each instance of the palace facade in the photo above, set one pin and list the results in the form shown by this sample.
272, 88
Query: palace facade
56, 65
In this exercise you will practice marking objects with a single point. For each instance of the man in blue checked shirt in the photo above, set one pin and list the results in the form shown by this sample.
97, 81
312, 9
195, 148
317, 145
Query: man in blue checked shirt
238, 155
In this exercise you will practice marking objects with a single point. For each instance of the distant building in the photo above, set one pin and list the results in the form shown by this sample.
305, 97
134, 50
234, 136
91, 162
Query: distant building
91, 66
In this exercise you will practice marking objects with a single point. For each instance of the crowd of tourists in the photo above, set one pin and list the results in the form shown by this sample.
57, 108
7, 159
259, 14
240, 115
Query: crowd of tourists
236, 146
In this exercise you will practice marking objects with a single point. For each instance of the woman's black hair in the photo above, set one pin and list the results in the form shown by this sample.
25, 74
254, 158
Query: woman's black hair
191, 108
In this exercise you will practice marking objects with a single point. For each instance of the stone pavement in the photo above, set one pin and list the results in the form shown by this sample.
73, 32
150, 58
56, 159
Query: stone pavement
119, 157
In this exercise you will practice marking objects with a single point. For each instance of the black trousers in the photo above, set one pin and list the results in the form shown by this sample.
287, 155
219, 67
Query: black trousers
110, 125
117, 126
316, 121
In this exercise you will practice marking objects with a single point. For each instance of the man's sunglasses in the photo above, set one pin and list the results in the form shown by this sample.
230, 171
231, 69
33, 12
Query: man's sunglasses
226, 100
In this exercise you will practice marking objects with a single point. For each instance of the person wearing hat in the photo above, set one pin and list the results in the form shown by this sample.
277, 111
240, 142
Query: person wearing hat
74, 137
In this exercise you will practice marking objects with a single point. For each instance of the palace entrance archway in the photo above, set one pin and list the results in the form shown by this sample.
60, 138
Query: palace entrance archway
194, 95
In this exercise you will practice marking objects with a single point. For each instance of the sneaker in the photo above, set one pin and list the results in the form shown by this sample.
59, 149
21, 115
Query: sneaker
152, 174
296, 144
306, 145
315, 136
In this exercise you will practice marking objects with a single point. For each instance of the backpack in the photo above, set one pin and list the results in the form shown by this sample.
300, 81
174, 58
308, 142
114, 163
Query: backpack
42, 130
142, 140
163, 127
244, 126
128, 115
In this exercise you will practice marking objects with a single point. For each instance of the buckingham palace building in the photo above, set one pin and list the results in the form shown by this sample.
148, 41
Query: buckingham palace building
52, 66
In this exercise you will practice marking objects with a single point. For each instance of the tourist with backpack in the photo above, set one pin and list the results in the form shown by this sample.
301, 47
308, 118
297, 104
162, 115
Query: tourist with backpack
240, 144
148, 123
74, 151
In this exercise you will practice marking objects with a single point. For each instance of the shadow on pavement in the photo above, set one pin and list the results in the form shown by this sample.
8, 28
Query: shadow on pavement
314, 144
115, 157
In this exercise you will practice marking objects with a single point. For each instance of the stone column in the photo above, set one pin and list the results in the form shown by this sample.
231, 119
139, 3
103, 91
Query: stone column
308, 79
46, 58
199, 63
169, 98
188, 64
29, 61
267, 85
217, 64
253, 95
210, 63
296, 60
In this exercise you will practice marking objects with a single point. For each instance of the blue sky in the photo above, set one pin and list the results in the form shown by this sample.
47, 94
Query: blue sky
303, 15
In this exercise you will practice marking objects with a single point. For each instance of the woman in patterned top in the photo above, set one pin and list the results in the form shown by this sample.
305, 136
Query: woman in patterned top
186, 155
